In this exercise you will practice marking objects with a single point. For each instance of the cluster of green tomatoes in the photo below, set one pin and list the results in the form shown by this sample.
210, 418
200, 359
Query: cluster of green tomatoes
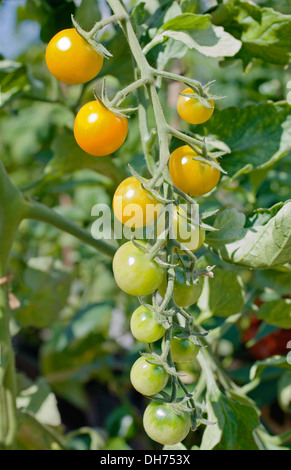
100, 132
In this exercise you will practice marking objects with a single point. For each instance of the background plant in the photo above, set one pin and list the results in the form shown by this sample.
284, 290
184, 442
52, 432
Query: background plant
70, 338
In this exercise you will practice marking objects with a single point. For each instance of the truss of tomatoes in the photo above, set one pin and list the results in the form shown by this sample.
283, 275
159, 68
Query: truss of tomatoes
100, 132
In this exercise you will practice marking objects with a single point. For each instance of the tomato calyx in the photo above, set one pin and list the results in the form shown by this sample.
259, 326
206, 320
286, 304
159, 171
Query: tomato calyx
161, 360
97, 46
150, 187
201, 93
161, 318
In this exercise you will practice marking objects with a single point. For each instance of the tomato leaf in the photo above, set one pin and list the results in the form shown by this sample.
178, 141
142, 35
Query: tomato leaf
276, 312
260, 241
274, 361
235, 423
37, 398
197, 32
257, 134
69, 157
265, 33
223, 295
39, 307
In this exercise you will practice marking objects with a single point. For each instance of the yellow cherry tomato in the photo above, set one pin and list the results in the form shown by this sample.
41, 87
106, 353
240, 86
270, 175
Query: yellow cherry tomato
192, 110
191, 236
191, 176
133, 205
99, 131
71, 59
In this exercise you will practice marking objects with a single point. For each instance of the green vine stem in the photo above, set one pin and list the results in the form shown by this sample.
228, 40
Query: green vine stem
12, 209
42, 213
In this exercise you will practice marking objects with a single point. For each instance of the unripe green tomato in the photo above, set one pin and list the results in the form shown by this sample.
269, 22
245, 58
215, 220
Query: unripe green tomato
184, 295
165, 426
284, 392
143, 326
134, 272
183, 350
146, 378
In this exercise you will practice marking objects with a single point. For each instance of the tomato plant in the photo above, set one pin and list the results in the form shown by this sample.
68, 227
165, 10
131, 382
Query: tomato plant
72, 288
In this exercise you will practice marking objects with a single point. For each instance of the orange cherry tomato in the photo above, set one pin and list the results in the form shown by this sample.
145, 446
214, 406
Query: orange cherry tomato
71, 59
133, 205
99, 131
192, 110
191, 176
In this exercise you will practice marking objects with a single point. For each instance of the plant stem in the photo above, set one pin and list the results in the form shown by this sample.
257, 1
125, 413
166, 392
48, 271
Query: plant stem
37, 211
12, 209
179, 78
105, 22
122, 94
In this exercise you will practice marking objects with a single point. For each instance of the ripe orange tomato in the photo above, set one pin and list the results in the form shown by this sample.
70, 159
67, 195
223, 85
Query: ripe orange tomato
99, 131
192, 110
133, 205
191, 176
71, 59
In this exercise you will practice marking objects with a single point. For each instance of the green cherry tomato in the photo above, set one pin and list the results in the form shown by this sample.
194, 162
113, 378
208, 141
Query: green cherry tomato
184, 295
143, 326
183, 350
165, 426
146, 378
134, 272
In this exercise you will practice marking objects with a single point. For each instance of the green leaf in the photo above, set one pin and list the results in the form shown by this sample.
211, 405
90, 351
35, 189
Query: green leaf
277, 313
259, 135
187, 21
118, 65
265, 33
222, 296
234, 425
260, 241
278, 280
28, 126
87, 14
190, 6
40, 308
38, 399
13, 80
78, 440
196, 32
83, 323
69, 157
274, 361
35, 435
